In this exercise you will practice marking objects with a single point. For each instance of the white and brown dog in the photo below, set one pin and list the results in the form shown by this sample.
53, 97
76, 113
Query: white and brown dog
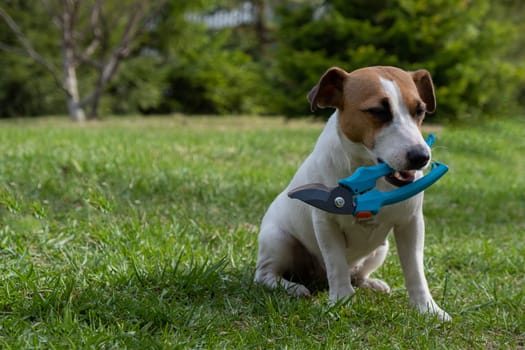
379, 112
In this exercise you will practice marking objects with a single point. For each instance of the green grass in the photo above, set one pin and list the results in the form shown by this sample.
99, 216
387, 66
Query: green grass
142, 233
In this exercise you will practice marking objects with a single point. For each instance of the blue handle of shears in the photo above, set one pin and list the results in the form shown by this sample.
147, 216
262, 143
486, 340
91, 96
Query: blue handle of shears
364, 178
372, 201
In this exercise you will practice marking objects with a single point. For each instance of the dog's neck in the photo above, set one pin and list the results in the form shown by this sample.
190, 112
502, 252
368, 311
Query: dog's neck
356, 154
335, 156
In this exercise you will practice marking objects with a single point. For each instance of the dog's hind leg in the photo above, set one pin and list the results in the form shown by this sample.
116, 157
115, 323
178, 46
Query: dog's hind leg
276, 257
360, 273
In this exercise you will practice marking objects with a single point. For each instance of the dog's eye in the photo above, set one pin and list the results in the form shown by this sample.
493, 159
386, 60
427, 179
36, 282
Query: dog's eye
381, 113
420, 111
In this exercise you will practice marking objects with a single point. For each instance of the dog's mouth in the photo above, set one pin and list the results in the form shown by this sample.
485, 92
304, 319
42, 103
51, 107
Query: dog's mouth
401, 178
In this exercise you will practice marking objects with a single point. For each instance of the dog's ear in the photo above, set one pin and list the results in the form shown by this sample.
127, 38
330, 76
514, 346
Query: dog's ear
425, 88
329, 90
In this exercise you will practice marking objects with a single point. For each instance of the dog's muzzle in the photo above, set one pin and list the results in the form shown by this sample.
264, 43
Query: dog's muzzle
401, 178
417, 157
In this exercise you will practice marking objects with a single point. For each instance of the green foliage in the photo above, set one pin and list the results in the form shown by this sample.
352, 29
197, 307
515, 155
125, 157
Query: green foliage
27, 89
142, 234
460, 42
208, 78
138, 87
473, 50
184, 68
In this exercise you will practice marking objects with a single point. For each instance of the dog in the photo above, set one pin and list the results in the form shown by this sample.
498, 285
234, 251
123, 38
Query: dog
378, 115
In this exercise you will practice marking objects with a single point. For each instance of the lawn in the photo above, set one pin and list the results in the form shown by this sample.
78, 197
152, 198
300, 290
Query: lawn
142, 233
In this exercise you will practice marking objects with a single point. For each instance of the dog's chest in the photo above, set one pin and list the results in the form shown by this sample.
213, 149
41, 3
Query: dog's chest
363, 236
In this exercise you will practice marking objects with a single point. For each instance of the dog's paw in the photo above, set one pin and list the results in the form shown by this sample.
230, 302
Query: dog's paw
343, 294
439, 313
443, 316
298, 290
372, 283
432, 309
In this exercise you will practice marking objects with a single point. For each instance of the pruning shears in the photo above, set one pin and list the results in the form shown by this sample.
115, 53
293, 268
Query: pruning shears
355, 195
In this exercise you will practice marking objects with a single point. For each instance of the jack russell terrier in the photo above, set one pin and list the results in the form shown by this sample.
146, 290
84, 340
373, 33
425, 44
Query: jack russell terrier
379, 112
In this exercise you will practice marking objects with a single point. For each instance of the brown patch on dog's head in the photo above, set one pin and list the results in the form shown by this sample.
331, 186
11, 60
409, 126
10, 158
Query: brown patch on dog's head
364, 107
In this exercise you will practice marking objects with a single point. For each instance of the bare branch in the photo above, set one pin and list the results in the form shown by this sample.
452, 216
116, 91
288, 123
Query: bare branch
123, 49
12, 49
29, 49
88, 99
55, 18
95, 26
89, 61
94, 21
71, 7
131, 29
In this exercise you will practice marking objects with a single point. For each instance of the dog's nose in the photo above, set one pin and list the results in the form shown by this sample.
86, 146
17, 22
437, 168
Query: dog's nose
417, 157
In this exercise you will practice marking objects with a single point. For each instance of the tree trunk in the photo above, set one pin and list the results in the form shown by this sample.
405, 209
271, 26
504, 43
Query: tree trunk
76, 113
93, 113
65, 13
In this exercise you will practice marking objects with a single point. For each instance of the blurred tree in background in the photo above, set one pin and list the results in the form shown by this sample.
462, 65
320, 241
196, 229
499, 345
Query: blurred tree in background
91, 39
263, 56
462, 43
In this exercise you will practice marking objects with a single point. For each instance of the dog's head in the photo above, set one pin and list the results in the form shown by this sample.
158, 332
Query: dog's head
383, 109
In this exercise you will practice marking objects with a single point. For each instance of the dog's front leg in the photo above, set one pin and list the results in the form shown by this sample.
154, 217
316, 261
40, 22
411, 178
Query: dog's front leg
332, 244
410, 244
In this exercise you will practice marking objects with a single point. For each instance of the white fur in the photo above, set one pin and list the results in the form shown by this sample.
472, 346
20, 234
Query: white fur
344, 248
403, 131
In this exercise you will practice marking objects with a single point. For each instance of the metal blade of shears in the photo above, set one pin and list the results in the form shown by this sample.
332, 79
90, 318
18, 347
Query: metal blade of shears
337, 200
